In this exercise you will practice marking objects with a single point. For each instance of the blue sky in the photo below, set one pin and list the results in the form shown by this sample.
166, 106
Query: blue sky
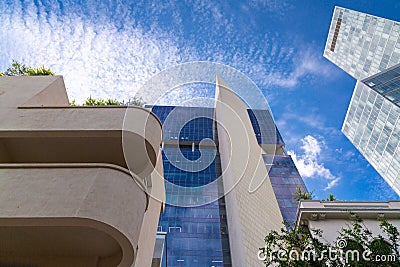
110, 48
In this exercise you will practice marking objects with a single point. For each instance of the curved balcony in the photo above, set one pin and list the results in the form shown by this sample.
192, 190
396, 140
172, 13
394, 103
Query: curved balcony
75, 180
69, 214
82, 135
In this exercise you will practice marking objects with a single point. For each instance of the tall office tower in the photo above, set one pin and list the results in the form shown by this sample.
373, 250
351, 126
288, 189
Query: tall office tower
210, 156
368, 48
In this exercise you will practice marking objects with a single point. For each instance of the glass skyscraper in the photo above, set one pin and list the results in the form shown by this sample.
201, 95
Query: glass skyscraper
283, 174
368, 48
194, 227
196, 235
386, 83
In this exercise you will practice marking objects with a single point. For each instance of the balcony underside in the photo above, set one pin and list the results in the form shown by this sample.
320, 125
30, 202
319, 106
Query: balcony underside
46, 244
80, 216
127, 137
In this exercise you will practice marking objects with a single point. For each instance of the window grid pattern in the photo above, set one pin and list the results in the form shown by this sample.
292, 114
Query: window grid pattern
387, 84
191, 124
196, 236
365, 44
285, 179
264, 127
373, 126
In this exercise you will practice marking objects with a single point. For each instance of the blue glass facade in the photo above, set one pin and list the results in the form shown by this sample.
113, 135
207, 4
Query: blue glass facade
264, 127
387, 83
285, 179
191, 124
283, 174
196, 235
194, 220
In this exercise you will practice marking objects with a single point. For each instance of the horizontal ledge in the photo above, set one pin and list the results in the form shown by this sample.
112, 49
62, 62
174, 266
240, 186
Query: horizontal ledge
174, 143
355, 210
340, 203
136, 178
95, 107
65, 107
61, 133
345, 214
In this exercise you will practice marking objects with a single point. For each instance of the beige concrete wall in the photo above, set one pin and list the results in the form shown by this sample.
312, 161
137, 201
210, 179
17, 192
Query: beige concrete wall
332, 216
74, 179
332, 227
50, 261
33, 91
250, 215
104, 199
47, 114
148, 232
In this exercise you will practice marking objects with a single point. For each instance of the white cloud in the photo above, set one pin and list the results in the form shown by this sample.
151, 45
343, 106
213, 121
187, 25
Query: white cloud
95, 59
313, 118
306, 63
309, 164
278, 7
348, 155
380, 190
332, 183
106, 49
204, 10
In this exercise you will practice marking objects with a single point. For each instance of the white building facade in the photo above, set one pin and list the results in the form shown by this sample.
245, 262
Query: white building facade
368, 48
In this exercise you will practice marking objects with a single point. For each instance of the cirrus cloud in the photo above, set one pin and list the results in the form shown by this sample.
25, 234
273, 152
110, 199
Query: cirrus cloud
105, 49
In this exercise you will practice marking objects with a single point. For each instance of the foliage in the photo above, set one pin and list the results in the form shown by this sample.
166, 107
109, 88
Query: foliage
100, 102
300, 195
297, 246
40, 71
331, 197
359, 237
108, 102
19, 69
293, 240
135, 101
73, 103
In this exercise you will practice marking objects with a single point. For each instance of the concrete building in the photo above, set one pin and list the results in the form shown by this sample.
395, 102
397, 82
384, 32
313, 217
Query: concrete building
332, 216
368, 48
67, 195
228, 182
